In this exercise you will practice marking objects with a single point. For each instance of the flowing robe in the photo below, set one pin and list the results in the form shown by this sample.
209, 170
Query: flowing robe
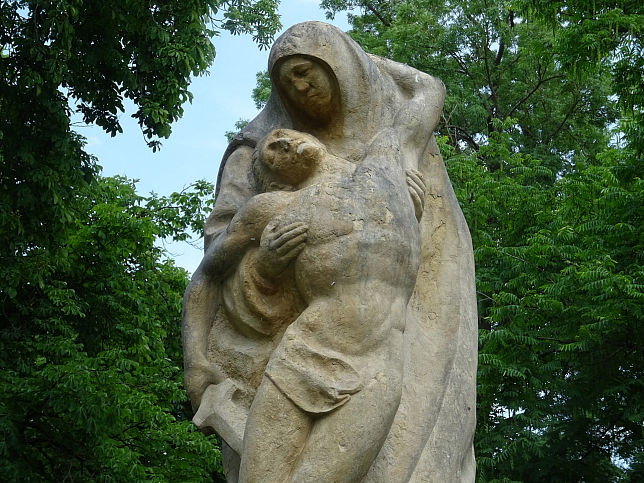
432, 434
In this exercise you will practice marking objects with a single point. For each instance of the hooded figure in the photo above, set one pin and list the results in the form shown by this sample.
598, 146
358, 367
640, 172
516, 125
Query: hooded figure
227, 343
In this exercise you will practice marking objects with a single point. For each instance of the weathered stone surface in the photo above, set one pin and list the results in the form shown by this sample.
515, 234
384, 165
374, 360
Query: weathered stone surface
330, 331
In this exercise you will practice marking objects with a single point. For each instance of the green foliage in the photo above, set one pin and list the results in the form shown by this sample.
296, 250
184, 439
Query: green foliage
494, 65
552, 187
239, 125
90, 307
182, 210
262, 90
91, 356
104, 52
603, 34
560, 281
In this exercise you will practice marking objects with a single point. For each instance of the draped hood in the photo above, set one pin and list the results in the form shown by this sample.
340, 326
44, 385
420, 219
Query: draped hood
359, 83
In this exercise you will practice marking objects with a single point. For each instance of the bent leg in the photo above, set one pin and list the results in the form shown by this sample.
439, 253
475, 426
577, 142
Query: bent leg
276, 432
343, 444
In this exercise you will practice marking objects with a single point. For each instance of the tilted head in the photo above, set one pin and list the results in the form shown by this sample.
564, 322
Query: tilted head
309, 86
287, 157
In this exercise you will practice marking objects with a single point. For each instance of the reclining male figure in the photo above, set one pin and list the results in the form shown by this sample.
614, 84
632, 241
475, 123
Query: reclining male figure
350, 234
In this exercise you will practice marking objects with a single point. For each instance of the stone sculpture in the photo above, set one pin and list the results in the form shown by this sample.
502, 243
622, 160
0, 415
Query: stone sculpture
330, 330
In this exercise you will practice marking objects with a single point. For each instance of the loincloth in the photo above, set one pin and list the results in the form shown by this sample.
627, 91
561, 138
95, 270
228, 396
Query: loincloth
317, 381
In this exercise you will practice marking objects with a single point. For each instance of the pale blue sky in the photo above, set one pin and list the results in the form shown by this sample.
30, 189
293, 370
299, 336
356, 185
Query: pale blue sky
197, 142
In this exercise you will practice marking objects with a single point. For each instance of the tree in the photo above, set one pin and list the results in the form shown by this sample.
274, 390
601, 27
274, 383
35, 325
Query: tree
552, 192
495, 65
92, 381
604, 34
60, 56
561, 291
89, 331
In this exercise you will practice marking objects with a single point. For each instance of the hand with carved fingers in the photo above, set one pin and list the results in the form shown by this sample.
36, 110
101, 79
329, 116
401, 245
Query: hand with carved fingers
279, 246
417, 190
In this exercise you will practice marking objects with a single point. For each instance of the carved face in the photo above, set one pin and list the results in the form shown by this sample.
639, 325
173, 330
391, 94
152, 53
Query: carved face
292, 155
309, 86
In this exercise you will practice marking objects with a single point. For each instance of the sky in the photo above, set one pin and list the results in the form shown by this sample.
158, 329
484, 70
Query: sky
198, 140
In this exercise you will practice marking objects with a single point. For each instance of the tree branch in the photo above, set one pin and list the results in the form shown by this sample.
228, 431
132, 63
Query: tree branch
499, 54
369, 6
465, 136
563, 122
540, 82
461, 64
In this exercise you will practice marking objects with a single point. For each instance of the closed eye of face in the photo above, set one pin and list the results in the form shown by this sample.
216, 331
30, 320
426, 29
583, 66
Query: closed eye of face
298, 72
301, 70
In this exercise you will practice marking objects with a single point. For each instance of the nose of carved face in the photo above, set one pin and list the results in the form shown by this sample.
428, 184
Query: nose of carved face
284, 144
300, 85
308, 151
